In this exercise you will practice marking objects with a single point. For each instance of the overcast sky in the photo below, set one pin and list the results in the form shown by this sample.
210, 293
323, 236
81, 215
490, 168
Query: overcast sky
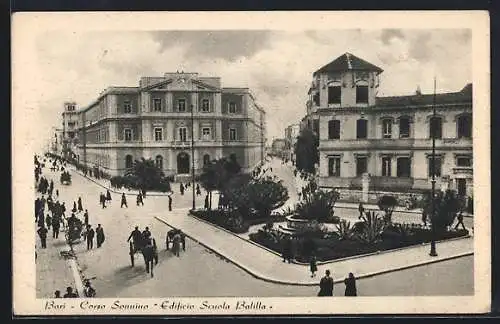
276, 65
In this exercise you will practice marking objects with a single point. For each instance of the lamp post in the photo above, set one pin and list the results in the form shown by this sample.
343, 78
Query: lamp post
433, 252
192, 155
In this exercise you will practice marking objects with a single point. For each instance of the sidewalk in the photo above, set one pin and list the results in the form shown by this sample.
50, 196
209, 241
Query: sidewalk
269, 267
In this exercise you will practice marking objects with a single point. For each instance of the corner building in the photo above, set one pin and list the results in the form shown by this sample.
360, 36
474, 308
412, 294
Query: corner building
156, 119
387, 138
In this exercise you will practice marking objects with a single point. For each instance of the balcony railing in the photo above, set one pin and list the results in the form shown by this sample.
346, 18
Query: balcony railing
462, 170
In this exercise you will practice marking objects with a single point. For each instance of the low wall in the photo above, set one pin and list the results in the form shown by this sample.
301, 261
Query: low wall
352, 195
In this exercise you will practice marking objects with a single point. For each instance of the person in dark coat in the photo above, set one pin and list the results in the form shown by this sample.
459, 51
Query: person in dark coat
207, 205
326, 285
86, 217
169, 203
80, 206
90, 237
313, 266
424, 217
42, 233
350, 285
108, 195
74, 210
69, 293
48, 221
56, 225
103, 200
99, 235
181, 189
460, 219
139, 199
124, 201
57, 193
198, 191
361, 210
63, 208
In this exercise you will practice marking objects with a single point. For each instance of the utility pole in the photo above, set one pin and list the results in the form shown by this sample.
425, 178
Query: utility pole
433, 252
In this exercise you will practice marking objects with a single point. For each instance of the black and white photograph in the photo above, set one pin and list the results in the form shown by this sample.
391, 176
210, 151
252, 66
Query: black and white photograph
251, 163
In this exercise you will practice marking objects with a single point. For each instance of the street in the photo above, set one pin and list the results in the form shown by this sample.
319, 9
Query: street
198, 272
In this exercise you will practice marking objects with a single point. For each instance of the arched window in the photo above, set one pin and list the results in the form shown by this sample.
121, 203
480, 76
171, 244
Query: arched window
129, 161
361, 128
436, 127
206, 159
159, 162
464, 126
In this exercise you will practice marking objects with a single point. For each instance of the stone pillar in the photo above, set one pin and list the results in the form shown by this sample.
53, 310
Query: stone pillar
365, 184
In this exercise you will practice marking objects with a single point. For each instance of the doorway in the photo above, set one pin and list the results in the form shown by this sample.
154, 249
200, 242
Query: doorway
462, 187
183, 163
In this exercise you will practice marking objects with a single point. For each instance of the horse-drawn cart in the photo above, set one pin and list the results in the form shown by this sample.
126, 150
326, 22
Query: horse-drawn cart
147, 247
74, 232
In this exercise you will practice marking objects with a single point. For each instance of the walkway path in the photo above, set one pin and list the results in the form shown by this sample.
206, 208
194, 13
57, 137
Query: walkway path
268, 266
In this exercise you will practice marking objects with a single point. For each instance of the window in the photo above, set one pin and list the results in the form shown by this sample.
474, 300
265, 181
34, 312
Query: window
404, 166
387, 128
436, 127
158, 134
464, 161
127, 134
464, 126
316, 99
361, 165
361, 128
205, 105
129, 161
232, 108
334, 129
437, 166
232, 134
361, 94
127, 107
157, 104
183, 134
334, 95
205, 131
404, 127
334, 166
206, 159
159, 162
386, 166
181, 105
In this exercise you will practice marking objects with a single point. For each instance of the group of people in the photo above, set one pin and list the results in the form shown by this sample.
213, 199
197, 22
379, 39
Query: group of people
326, 285
104, 198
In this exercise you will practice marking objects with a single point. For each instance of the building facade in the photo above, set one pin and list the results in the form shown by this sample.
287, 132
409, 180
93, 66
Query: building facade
159, 118
69, 132
387, 139
279, 147
291, 134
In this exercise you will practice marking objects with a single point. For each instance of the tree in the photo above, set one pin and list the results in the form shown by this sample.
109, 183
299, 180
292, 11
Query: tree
447, 205
217, 174
145, 175
387, 204
306, 151
318, 205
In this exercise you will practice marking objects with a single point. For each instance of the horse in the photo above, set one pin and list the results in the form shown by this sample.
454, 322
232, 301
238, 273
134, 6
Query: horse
170, 239
150, 254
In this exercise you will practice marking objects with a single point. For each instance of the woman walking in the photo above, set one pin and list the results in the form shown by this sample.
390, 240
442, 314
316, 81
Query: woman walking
350, 285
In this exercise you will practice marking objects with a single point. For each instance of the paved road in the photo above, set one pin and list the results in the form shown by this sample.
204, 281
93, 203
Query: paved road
199, 273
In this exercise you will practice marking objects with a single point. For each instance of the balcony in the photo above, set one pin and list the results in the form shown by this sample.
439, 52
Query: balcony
463, 170
181, 145
356, 144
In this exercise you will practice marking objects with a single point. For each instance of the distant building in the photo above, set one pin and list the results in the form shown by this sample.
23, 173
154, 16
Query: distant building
153, 120
388, 138
279, 147
70, 126
291, 134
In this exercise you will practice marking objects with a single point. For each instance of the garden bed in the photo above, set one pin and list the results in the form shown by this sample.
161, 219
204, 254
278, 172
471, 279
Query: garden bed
332, 247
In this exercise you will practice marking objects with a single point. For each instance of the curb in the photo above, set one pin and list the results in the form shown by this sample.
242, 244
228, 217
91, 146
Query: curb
262, 277
329, 261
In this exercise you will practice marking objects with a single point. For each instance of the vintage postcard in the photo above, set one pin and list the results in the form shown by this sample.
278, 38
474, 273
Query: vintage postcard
251, 163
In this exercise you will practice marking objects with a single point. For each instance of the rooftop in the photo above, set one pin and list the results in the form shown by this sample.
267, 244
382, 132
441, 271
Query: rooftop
348, 62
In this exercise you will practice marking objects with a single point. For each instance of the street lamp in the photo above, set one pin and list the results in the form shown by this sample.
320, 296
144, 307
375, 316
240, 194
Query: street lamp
192, 154
433, 252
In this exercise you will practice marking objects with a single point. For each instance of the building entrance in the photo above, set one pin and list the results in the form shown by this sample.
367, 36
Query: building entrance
182, 163
462, 187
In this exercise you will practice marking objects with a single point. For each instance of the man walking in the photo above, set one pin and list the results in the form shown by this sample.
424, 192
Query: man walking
139, 199
198, 191
108, 195
80, 206
124, 201
99, 235
86, 217
56, 224
181, 189
169, 203
102, 199
42, 233
460, 219
207, 206
90, 237
326, 285
361, 210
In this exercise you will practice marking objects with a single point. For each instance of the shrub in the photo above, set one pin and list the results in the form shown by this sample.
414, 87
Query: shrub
387, 204
230, 220
345, 230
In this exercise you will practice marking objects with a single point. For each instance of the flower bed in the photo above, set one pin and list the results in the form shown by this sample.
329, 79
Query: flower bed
332, 247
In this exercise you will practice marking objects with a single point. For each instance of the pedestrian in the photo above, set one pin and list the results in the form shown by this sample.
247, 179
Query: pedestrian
74, 210
313, 266
80, 206
42, 233
361, 210
143, 193
169, 203
56, 224
424, 217
326, 285
146, 233
57, 294
63, 209
181, 189
198, 191
124, 201
90, 237
460, 219
139, 199
350, 285
102, 199
176, 244
287, 250
57, 196
69, 293
207, 206
108, 195
86, 217
48, 221
99, 235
